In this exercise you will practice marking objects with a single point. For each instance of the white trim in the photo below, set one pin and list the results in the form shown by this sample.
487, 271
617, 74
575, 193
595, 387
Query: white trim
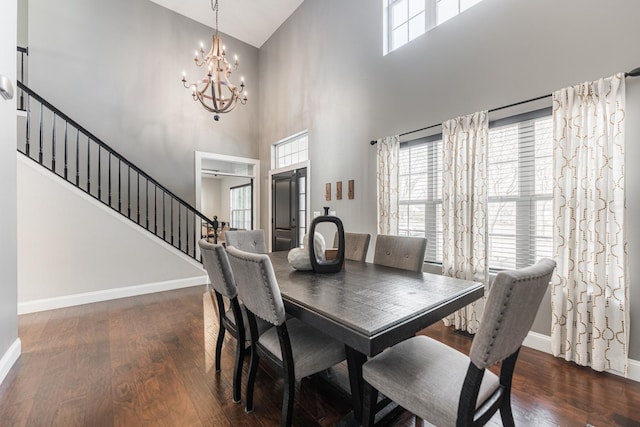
107, 294
294, 136
9, 358
542, 343
538, 341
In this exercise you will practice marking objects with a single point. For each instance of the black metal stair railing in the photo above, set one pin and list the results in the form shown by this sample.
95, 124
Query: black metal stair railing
22, 53
52, 139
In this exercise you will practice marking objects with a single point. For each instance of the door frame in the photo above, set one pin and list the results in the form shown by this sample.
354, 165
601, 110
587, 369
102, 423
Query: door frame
255, 176
302, 165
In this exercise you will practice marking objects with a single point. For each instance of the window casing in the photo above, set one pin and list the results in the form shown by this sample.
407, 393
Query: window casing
404, 20
519, 191
290, 151
241, 201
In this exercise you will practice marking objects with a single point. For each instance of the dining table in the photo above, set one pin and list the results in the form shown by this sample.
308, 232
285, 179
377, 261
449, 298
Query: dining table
369, 307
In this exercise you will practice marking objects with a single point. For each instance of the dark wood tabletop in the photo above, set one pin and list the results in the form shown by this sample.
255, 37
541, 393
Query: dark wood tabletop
367, 306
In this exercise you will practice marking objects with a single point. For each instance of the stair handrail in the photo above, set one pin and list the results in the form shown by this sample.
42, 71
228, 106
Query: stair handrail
113, 152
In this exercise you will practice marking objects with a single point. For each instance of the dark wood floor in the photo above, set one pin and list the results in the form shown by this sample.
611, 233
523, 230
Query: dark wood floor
148, 361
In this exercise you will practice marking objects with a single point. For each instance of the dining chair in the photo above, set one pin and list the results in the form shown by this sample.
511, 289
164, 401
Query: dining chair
232, 319
247, 240
356, 245
446, 387
294, 348
402, 252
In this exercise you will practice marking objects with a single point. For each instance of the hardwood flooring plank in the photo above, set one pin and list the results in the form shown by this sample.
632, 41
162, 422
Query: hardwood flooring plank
57, 346
148, 361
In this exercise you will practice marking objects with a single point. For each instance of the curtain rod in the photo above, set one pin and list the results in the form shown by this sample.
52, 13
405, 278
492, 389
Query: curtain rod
633, 73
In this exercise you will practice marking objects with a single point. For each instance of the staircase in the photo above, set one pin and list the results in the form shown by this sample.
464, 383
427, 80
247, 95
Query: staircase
56, 142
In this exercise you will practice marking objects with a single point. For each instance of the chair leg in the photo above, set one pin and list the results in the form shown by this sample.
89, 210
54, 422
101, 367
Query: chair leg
237, 372
221, 332
506, 377
288, 399
369, 401
253, 370
505, 412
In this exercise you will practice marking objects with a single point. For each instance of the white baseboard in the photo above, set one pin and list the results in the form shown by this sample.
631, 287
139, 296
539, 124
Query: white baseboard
542, 343
9, 358
538, 342
107, 294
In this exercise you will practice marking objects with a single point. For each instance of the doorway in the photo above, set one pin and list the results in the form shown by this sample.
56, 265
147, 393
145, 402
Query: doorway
289, 209
228, 187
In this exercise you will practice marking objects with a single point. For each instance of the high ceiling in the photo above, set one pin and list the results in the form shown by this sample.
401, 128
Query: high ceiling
252, 21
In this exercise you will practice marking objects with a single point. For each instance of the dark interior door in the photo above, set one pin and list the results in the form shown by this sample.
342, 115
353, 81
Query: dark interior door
285, 220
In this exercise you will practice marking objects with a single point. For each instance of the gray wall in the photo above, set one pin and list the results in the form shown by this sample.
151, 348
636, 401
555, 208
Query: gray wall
8, 220
23, 23
115, 67
323, 70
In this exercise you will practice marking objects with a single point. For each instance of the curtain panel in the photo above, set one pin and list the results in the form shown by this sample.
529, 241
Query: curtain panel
388, 153
464, 208
590, 290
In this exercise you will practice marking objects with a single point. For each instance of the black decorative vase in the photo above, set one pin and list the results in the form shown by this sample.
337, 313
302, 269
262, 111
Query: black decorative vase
331, 266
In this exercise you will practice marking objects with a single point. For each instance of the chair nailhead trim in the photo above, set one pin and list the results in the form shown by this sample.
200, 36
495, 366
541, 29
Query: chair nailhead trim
505, 305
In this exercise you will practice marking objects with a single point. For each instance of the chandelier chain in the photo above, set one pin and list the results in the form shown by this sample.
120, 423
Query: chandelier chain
214, 7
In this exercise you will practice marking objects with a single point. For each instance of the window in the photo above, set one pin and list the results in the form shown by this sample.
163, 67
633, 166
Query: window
519, 177
520, 183
420, 193
407, 19
241, 200
302, 206
290, 151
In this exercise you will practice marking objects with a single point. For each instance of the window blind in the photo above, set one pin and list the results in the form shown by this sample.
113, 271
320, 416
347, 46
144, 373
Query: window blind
519, 195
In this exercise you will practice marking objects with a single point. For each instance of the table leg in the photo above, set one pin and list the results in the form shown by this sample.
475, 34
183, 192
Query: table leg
355, 360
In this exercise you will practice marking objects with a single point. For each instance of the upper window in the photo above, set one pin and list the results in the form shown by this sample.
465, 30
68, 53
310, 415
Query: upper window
407, 19
519, 175
290, 151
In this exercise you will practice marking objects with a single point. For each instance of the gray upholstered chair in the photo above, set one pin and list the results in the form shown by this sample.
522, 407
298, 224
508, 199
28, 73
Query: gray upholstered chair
402, 252
216, 262
446, 387
296, 349
247, 240
356, 245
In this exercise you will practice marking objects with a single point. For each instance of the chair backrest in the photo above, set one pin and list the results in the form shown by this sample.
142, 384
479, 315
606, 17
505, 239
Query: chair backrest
257, 285
510, 309
356, 245
247, 240
216, 262
402, 252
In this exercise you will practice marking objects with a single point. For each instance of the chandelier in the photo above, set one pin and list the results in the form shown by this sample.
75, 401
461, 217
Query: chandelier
215, 92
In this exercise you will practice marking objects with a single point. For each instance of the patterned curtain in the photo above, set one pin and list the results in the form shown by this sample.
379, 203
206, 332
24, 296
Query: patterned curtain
464, 208
388, 150
590, 290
